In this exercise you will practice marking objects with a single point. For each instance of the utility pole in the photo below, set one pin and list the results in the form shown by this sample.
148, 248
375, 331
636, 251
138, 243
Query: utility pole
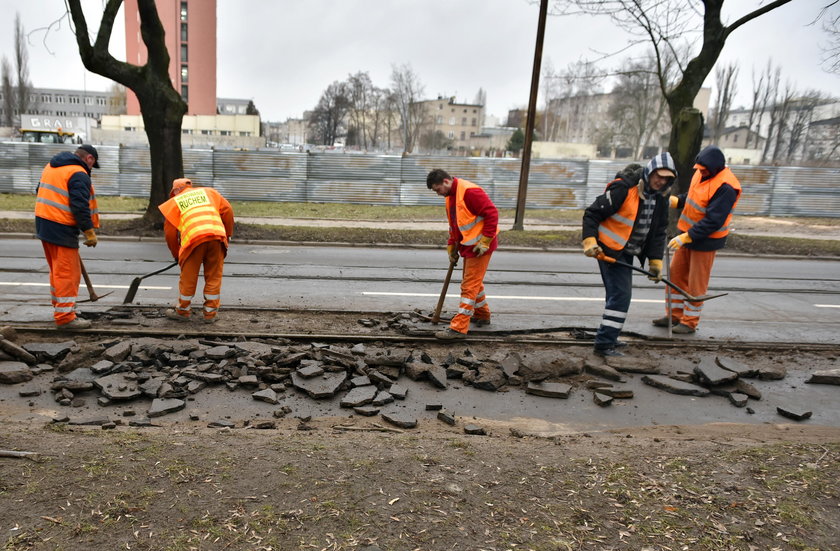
529, 123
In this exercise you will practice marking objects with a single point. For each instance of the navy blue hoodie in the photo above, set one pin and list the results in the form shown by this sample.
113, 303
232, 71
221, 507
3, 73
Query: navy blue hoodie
720, 205
79, 188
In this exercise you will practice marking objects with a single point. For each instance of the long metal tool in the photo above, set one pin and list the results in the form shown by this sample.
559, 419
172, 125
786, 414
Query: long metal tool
668, 306
135, 283
93, 296
436, 316
667, 282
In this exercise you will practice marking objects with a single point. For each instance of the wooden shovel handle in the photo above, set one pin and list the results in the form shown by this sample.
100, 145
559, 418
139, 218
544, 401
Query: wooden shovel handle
436, 316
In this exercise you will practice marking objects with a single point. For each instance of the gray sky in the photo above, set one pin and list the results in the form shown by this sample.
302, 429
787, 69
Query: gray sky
283, 54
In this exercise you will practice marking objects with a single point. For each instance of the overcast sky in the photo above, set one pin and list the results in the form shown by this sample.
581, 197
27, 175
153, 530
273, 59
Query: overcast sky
283, 54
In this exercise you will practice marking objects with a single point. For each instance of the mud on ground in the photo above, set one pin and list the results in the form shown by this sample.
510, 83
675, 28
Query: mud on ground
351, 483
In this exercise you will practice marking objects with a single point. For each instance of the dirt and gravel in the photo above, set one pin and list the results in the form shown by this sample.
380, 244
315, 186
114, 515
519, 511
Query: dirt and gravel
342, 482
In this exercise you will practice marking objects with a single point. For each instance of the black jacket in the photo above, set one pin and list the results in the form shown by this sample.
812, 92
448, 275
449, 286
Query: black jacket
79, 187
610, 202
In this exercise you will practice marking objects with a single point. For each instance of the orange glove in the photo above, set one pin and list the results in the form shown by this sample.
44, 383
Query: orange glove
483, 245
673, 201
452, 251
679, 241
90, 238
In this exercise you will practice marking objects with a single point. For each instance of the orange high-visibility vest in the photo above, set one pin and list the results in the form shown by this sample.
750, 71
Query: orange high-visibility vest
614, 232
195, 214
53, 202
468, 223
699, 195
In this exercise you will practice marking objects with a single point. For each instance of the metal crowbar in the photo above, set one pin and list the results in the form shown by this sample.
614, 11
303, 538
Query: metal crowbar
93, 296
690, 297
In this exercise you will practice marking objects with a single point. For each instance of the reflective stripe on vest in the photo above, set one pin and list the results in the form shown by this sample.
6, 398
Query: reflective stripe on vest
53, 201
614, 232
199, 216
699, 195
468, 223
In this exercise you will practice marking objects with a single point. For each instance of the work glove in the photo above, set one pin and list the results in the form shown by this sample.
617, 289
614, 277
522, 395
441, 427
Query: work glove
673, 201
452, 251
483, 245
591, 248
679, 241
90, 238
655, 268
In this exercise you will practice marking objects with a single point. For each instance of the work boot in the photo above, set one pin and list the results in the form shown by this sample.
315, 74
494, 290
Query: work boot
450, 334
480, 322
214, 319
607, 352
663, 321
173, 315
75, 325
683, 329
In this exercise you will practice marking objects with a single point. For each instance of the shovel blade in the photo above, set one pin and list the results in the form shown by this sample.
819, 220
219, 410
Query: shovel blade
132, 290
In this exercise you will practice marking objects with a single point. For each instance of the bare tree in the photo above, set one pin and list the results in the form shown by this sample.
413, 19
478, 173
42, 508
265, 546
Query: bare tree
116, 99
638, 107
664, 25
379, 114
327, 120
800, 121
408, 92
359, 91
569, 99
8, 94
161, 105
762, 92
727, 87
779, 111
830, 15
24, 86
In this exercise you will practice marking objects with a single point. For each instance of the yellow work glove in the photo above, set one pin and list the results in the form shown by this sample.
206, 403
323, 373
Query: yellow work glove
679, 241
591, 248
655, 268
90, 238
483, 245
673, 201
452, 251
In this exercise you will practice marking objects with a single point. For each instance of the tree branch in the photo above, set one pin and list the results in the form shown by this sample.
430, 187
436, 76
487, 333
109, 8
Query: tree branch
750, 16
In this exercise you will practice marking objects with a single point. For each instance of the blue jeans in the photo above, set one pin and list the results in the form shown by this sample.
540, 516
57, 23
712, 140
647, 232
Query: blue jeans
618, 283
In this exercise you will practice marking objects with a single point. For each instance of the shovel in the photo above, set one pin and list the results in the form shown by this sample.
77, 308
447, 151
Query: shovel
436, 317
93, 296
135, 283
691, 298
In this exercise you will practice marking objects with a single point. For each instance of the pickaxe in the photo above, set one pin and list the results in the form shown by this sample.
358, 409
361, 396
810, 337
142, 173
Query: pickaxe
93, 296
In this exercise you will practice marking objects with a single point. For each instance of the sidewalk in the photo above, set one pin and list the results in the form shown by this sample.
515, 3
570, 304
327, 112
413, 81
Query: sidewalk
744, 225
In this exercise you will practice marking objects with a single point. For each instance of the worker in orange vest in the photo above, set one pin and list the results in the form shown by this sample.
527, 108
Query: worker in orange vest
473, 227
66, 205
705, 221
198, 224
628, 220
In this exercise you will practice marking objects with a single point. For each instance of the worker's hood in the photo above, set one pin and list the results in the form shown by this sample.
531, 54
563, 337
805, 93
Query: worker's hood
712, 158
67, 159
664, 163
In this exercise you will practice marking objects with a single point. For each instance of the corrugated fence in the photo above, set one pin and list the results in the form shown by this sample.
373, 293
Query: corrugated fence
394, 180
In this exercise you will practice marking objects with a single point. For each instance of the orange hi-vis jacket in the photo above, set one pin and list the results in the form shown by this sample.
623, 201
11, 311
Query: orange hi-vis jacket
468, 223
53, 201
615, 231
199, 215
700, 194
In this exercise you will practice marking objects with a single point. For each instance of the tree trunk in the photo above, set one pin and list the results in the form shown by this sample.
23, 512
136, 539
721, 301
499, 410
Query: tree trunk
686, 137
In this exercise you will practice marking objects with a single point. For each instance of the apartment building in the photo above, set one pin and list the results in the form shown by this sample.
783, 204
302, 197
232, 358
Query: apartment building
190, 27
459, 122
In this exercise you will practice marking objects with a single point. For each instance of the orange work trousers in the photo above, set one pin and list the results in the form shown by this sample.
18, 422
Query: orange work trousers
690, 271
211, 255
473, 301
65, 274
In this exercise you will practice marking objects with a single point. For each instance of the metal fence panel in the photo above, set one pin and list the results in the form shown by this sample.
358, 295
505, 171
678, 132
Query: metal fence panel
394, 180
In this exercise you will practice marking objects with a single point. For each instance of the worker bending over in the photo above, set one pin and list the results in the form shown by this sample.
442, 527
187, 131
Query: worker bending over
66, 204
473, 226
705, 222
198, 226
630, 219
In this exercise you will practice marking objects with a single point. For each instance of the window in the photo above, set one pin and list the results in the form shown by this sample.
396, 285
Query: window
439, 120
463, 121
184, 74
183, 53
73, 99
472, 134
186, 131
473, 121
440, 106
185, 92
463, 135
183, 11
88, 100
183, 32
734, 138
101, 100
46, 97
224, 132
205, 132
465, 110
451, 121
451, 135
59, 99
244, 133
